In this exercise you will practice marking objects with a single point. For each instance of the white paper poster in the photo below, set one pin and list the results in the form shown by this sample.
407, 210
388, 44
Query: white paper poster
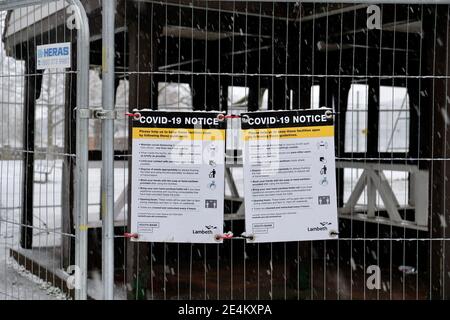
289, 175
53, 56
178, 177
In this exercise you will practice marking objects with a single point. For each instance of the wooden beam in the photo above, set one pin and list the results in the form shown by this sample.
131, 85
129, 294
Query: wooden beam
143, 44
341, 105
373, 113
68, 178
33, 81
437, 45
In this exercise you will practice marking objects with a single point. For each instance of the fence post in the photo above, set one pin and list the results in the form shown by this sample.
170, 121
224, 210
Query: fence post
107, 201
82, 136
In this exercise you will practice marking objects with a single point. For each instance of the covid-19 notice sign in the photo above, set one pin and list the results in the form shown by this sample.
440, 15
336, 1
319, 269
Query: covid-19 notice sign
178, 176
289, 175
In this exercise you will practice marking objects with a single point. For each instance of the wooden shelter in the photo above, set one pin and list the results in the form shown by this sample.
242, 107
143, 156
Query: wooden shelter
285, 49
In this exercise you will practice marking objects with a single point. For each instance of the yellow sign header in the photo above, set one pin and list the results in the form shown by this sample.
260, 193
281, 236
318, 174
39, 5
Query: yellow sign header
179, 134
288, 133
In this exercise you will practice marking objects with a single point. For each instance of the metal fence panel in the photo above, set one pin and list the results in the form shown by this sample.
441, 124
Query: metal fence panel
384, 71
383, 68
40, 219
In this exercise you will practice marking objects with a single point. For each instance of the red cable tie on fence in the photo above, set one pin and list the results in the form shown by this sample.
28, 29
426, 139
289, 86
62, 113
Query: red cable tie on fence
232, 116
226, 236
129, 114
228, 116
131, 235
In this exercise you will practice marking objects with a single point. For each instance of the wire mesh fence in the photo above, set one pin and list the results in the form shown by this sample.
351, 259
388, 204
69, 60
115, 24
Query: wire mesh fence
382, 68
38, 154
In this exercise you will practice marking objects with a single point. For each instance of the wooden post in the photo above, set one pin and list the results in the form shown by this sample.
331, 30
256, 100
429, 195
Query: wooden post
33, 81
198, 93
373, 113
253, 95
212, 86
341, 101
68, 178
143, 47
279, 99
437, 45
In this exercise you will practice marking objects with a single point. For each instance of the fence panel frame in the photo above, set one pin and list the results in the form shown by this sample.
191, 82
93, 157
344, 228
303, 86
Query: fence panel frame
81, 165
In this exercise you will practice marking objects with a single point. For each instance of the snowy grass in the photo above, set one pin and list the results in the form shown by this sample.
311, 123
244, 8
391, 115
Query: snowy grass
15, 283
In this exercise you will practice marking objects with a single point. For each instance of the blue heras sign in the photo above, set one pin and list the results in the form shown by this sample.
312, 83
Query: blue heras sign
53, 56
53, 52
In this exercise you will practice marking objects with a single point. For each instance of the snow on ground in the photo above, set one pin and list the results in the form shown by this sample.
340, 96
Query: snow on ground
47, 222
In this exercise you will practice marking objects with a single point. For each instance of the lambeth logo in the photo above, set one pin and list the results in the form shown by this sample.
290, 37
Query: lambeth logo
323, 227
209, 230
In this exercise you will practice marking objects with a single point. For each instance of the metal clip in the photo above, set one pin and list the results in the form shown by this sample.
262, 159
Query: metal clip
84, 113
245, 118
334, 233
131, 235
250, 237
329, 114
103, 114
97, 113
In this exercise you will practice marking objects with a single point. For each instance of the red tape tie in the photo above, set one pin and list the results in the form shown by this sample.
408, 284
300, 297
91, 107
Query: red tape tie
226, 236
129, 114
131, 235
222, 117
232, 116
